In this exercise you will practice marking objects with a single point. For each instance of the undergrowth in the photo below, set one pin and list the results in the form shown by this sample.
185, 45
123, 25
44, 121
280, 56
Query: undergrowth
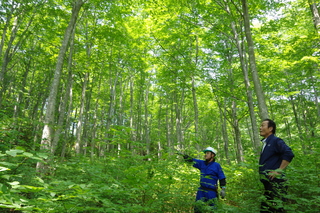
129, 183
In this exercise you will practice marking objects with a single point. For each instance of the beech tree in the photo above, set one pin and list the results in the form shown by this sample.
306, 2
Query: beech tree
47, 134
315, 14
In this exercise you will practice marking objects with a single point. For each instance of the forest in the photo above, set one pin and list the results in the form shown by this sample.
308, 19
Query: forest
97, 97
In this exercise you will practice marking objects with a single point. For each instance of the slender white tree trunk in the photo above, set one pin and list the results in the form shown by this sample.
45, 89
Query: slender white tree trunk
47, 132
79, 144
65, 100
244, 67
263, 110
146, 119
315, 14
223, 119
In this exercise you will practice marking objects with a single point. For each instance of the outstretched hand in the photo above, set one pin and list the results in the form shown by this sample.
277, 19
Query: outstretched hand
185, 157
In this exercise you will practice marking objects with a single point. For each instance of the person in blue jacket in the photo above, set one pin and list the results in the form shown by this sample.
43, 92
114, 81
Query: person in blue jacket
210, 173
274, 158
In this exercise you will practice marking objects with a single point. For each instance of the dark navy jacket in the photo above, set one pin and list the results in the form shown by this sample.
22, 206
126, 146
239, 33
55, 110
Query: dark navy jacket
274, 152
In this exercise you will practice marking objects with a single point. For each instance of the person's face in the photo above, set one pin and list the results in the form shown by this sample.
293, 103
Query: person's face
265, 131
208, 156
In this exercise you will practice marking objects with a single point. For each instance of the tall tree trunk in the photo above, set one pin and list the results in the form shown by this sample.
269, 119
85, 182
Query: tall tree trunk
315, 14
120, 121
7, 58
4, 31
11, 48
194, 94
47, 132
178, 116
223, 120
244, 67
146, 119
86, 121
297, 120
113, 78
95, 121
287, 125
314, 83
111, 112
20, 96
86, 94
79, 141
168, 126
195, 109
159, 144
237, 133
65, 100
263, 110
81, 131
132, 132
68, 102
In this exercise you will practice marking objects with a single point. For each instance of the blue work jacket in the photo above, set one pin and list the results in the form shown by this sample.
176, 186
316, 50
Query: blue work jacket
209, 173
273, 153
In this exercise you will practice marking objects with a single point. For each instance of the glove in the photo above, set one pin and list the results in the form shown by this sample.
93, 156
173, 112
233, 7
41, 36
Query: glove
223, 193
187, 158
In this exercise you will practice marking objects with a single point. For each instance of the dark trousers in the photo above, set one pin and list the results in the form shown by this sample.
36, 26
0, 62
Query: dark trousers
205, 198
274, 192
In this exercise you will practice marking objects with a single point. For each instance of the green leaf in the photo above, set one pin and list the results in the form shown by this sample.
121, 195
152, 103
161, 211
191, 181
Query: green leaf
3, 169
39, 179
36, 158
9, 164
14, 152
14, 183
6, 176
27, 188
28, 154
20, 148
42, 155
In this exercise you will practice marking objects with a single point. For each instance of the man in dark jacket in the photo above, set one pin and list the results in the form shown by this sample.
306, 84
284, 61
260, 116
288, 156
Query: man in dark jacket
210, 173
275, 157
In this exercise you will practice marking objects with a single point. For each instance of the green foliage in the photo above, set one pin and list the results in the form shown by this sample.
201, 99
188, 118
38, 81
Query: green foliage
304, 190
17, 178
131, 183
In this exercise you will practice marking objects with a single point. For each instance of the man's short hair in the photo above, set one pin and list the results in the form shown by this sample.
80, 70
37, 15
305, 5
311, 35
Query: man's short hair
271, 123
